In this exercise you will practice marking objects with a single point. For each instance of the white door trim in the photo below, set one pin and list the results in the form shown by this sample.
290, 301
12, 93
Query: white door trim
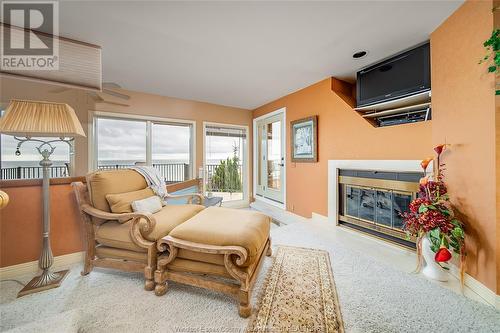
255, 164
246, 169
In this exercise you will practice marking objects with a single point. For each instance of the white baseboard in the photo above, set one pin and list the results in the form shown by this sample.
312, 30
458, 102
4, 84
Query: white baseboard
31, 267
270, 202
236, 204
319, 217
484, 292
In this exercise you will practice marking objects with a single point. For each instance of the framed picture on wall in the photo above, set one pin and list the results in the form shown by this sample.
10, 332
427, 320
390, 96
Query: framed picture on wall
304, 139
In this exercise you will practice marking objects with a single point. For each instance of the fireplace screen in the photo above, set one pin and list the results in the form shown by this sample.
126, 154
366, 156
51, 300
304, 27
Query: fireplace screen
376, 204
381, 207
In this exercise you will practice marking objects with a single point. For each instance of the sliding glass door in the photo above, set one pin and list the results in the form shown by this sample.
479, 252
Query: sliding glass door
226, 162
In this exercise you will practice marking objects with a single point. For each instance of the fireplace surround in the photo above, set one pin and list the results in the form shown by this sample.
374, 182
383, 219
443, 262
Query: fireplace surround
368, 196
372, 201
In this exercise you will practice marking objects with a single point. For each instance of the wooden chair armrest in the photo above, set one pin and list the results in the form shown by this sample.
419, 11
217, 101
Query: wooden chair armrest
137, 231
171, 245
122, 217
189, 196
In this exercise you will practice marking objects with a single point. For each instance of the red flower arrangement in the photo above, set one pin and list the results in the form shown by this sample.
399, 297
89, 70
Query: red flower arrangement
432, 215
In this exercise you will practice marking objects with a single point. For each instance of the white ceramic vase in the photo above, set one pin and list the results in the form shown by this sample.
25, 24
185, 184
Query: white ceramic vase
432, 269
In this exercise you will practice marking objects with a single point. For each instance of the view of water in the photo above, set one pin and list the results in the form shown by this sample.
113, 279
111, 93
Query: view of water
12, 164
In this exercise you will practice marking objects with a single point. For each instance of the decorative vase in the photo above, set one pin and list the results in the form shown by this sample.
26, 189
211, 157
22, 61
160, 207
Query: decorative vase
432, 269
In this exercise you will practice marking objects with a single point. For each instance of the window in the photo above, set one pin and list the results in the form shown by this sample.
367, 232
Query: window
226, 161
121, 142
171, 150
26, 165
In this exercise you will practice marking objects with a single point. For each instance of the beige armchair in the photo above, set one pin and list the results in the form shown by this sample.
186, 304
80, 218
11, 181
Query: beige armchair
117, 237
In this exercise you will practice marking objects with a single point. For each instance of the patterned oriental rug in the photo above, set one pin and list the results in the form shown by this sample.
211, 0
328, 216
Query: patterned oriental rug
298, 295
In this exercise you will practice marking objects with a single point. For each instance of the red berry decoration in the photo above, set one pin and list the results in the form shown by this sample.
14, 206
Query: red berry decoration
442, 255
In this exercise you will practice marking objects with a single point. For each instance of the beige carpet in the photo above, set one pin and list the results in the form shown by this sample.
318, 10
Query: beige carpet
374, 294
299, 294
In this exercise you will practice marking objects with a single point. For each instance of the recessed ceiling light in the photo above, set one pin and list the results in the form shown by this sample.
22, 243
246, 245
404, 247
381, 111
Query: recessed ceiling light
359, 54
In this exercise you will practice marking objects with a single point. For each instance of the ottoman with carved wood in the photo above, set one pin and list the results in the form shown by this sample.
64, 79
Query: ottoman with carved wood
220, 249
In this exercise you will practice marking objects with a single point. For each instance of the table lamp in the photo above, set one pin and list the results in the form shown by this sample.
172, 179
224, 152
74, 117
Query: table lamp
26, 120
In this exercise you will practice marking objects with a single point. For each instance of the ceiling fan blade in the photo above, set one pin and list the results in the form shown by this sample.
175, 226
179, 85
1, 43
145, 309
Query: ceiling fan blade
58, 90
115, 103
115, 94
98, 99
111, 85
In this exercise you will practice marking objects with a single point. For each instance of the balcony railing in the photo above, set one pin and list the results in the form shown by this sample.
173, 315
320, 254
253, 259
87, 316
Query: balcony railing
172, 173
33, 172
215, 186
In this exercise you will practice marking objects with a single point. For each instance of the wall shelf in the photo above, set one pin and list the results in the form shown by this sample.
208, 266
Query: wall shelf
404, 109
423, 97
408, 109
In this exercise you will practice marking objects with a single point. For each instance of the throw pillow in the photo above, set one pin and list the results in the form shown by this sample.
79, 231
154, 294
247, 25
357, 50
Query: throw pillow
149, 205
121, 202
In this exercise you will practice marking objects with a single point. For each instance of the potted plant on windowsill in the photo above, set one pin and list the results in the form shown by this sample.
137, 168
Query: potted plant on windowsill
432, 220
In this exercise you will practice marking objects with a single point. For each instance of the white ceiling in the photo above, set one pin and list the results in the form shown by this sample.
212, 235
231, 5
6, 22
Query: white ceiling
244, 54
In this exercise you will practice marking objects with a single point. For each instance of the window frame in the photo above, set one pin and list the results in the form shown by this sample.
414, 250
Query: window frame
149, 120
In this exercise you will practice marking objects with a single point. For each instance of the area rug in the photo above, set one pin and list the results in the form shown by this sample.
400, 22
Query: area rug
298, 295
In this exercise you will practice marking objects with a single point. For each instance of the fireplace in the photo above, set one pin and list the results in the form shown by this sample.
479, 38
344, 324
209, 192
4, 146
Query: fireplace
371, 201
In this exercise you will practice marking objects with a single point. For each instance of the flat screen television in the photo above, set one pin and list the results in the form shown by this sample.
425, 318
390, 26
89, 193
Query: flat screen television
405, 74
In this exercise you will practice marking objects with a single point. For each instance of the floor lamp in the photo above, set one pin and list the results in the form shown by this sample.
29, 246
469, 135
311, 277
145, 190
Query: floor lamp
26, 120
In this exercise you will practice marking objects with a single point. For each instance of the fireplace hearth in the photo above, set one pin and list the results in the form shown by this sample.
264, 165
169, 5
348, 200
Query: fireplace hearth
372, 201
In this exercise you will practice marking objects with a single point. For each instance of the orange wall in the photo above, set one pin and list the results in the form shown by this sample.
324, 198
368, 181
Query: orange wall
21, 224
463, 105
496, 23
342, 134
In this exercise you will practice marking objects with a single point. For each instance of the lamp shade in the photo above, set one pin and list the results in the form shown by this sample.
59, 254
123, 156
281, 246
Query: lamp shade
40, 119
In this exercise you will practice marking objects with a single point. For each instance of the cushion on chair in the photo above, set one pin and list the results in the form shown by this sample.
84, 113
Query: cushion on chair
101, 183
170, 217
115, 253
210, 258
227, 227
191, 266
122, 202
116, 234
150, 205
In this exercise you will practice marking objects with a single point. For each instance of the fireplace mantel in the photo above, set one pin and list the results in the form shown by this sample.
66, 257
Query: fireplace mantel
375, 165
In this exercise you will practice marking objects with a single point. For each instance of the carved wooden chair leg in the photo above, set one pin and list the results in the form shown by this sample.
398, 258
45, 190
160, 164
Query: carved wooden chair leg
269, 251
89, 257
90, 242
149, 270
161, 288
87, 265
161, 284
161, 270
149, 285
244, 308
